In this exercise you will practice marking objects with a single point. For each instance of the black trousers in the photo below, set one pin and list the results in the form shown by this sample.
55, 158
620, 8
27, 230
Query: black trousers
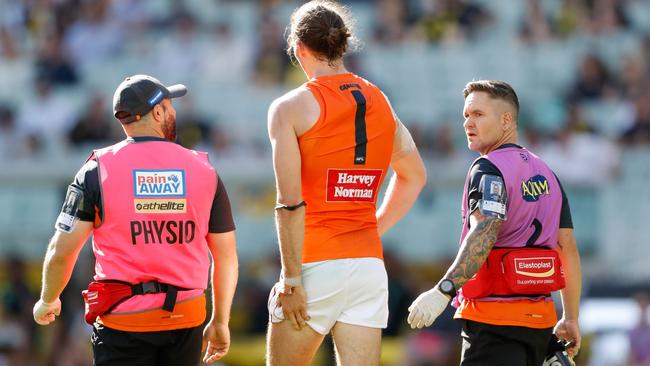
495, 345
171, 347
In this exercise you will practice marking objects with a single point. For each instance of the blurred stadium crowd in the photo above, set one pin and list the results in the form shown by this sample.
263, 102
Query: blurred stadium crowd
581, 68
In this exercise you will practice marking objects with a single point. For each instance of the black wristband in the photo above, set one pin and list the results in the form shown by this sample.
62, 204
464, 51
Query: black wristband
290, 208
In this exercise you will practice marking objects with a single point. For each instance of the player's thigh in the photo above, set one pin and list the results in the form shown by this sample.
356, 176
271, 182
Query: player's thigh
356, 345
326, 297
286, 346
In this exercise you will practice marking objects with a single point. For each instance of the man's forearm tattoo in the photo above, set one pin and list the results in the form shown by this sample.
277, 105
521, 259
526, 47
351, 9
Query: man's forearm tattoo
474, 251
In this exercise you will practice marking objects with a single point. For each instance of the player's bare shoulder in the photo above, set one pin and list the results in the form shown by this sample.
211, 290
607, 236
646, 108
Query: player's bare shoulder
298, 107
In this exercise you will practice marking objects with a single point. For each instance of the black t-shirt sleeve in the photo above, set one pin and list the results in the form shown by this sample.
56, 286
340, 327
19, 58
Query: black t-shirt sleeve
85, 186
221, 220
480, 168
566, 221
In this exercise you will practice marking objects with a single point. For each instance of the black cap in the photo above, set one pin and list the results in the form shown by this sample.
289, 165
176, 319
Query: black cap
138, 94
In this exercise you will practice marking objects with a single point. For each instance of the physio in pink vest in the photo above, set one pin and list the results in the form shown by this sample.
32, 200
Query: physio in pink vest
516, 242
159, 215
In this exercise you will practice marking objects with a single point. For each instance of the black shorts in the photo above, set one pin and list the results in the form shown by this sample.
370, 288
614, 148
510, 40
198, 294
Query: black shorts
492, 345
170, 347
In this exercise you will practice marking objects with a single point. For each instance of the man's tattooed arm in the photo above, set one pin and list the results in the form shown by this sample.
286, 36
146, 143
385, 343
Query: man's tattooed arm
475, 248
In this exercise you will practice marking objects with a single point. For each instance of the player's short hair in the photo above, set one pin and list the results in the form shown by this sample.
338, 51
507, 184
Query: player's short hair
497, 89
325, 27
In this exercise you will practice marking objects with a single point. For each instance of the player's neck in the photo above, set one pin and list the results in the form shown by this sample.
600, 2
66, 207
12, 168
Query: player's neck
325, 69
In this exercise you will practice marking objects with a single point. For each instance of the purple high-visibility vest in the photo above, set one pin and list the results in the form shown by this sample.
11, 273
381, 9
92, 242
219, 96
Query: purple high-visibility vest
534, 200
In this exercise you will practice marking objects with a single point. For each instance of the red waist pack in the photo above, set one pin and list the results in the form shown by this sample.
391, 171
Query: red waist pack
517, 271
102, 297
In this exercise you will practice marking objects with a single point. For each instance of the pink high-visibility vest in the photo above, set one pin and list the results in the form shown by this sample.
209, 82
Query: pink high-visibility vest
534, 202
157, 197
534, 194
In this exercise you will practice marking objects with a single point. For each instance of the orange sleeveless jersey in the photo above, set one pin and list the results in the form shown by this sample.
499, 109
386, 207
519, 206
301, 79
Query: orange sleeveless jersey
345, 158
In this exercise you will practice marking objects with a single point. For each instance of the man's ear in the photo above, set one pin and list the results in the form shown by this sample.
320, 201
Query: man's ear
157, 112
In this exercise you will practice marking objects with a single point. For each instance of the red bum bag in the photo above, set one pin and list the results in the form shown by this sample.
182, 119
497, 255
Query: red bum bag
103, 296
517, 271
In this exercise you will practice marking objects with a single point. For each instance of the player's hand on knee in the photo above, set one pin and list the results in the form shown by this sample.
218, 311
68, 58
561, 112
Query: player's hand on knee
427, 307
294, 306
45, 313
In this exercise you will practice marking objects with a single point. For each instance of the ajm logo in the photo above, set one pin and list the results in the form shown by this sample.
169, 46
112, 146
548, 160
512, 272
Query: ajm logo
534, 188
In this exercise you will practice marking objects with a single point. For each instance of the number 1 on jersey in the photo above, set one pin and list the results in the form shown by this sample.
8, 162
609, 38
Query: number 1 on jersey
360, 135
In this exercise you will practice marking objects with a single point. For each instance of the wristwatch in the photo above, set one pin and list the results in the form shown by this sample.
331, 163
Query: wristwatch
447, 287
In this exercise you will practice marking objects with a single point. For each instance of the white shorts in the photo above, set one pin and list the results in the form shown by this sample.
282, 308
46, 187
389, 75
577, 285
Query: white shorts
351, 290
